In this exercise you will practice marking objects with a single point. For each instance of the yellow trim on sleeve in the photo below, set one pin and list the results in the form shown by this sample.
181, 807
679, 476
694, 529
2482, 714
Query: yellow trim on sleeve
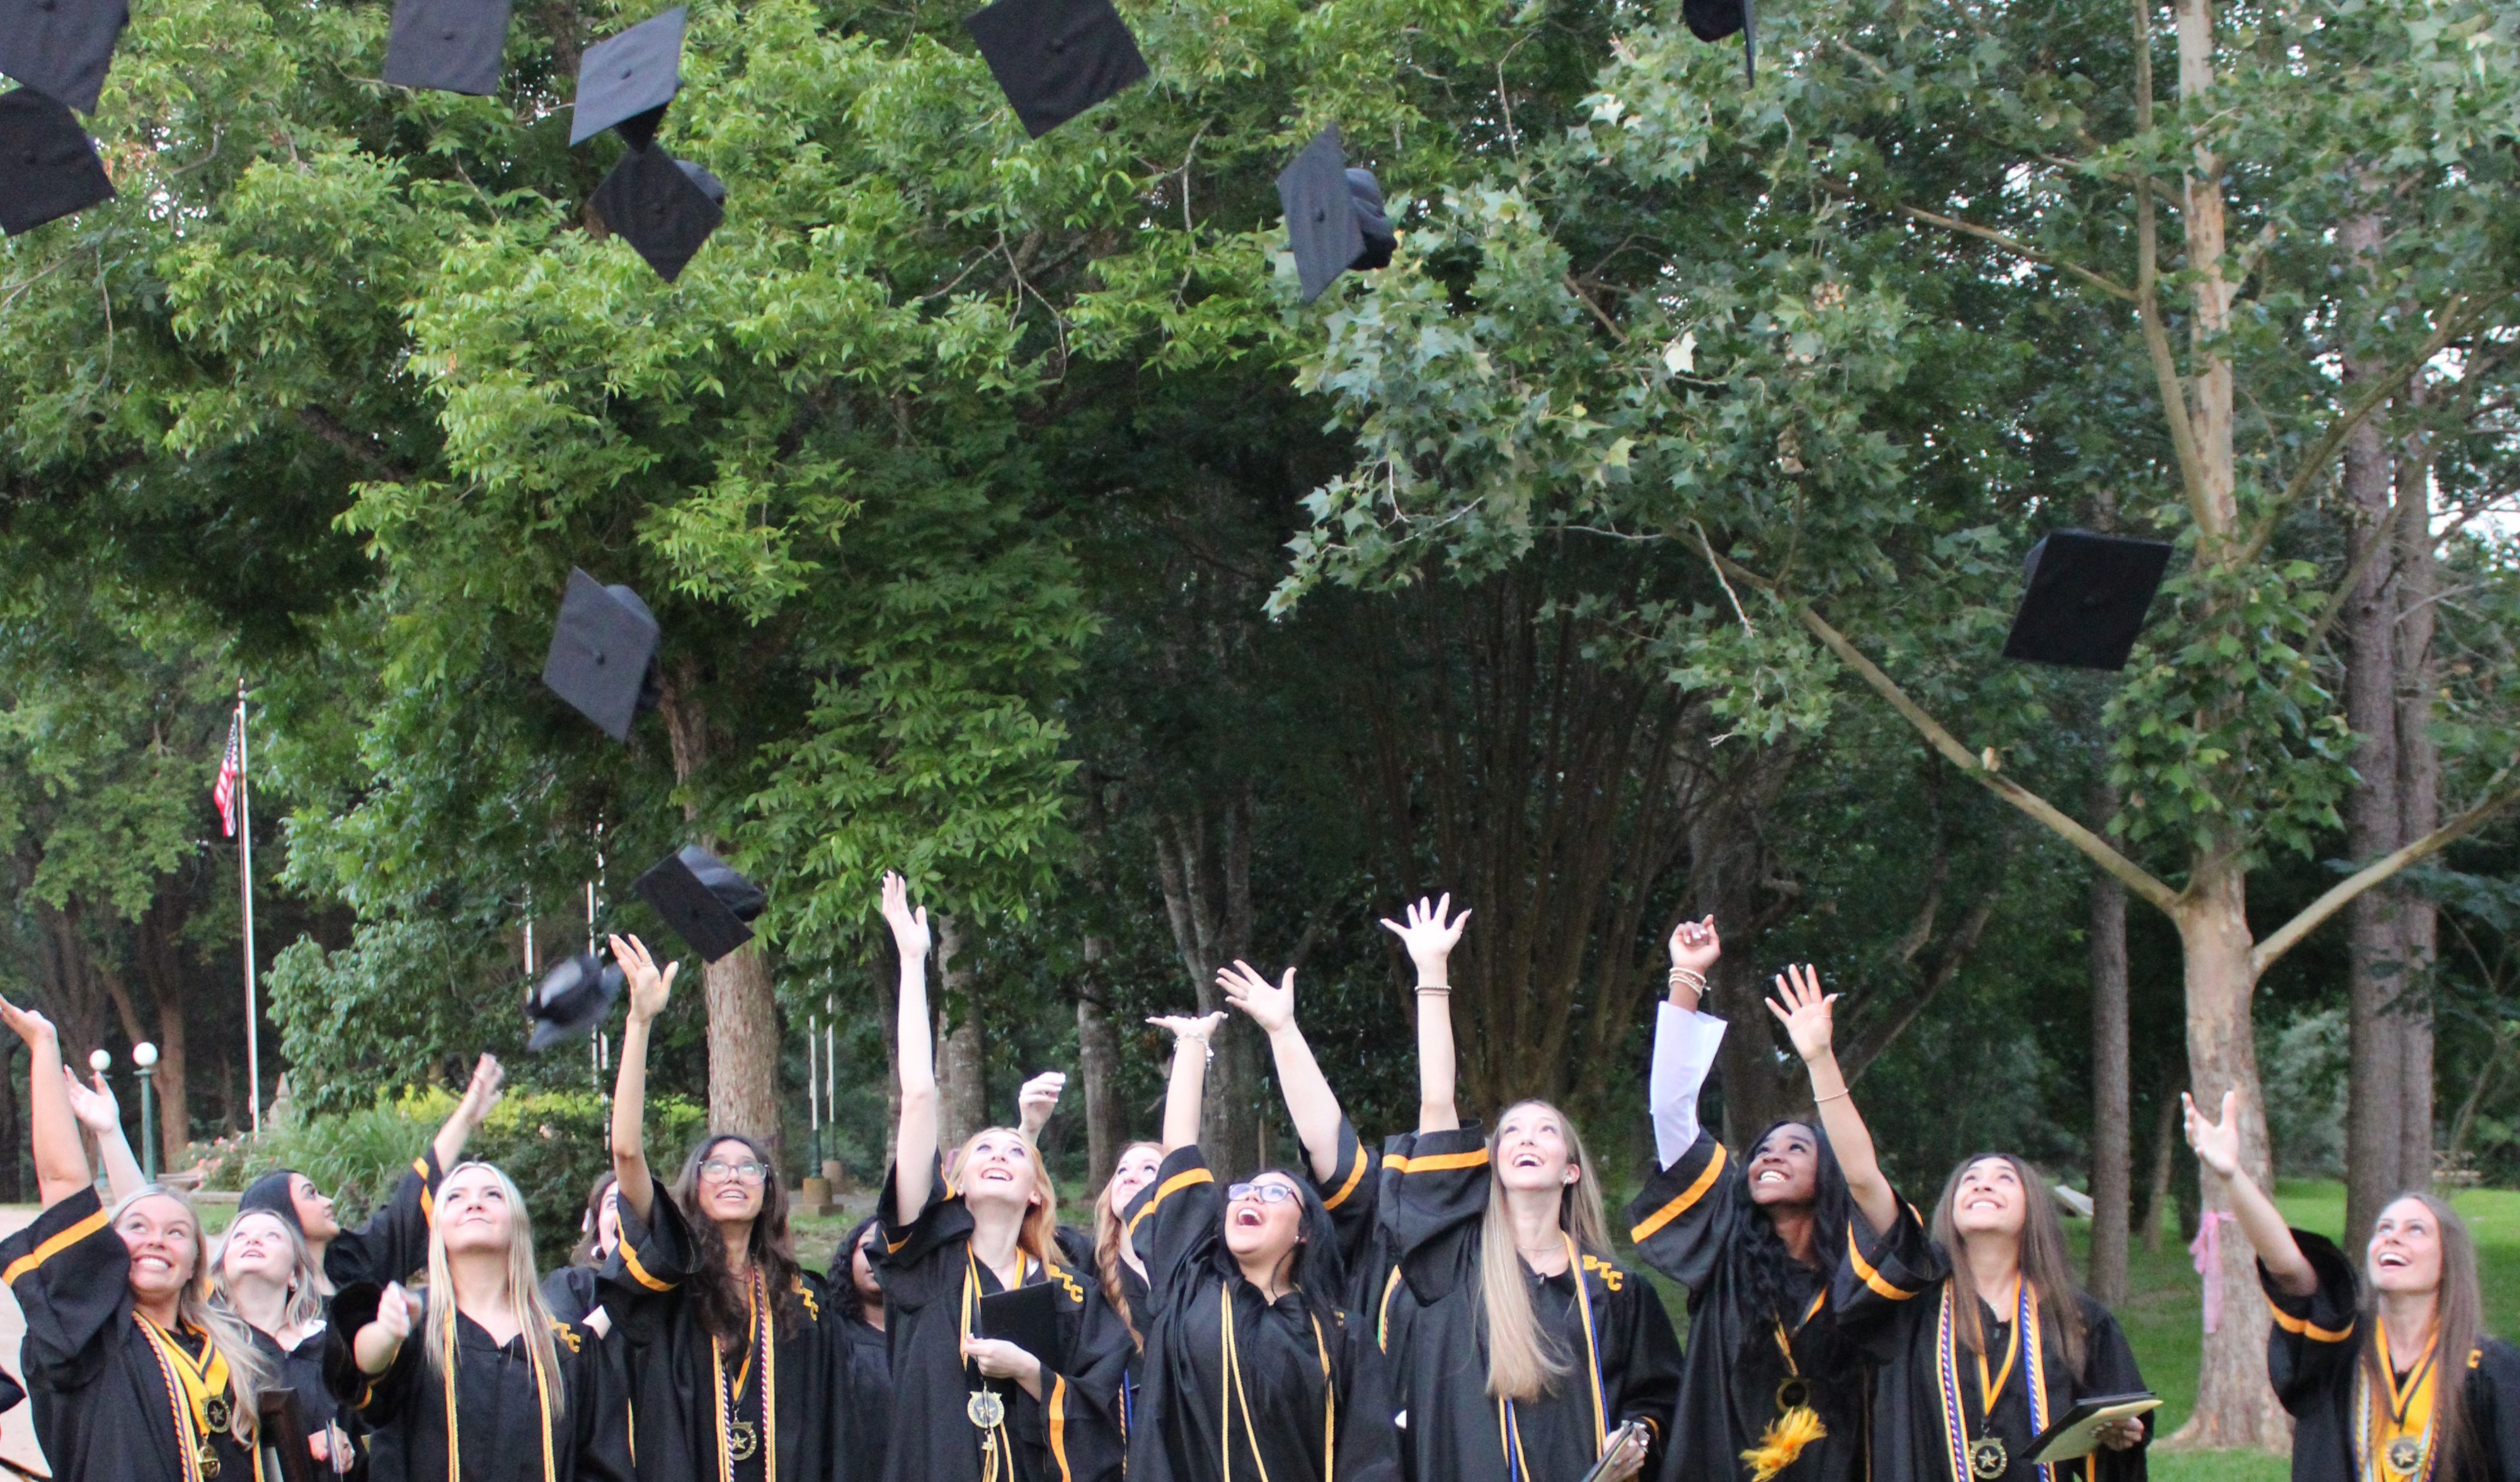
1059, 1425
1382, 1319
630, 1258
1179, 1181
427, 1201
52, 1248
1687, 1198
2304, 1327
1439, 1162
1872, 1277
1355, 1176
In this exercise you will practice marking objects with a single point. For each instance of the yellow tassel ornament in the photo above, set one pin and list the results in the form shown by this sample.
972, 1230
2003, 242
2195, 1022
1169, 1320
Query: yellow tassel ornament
1784, 1442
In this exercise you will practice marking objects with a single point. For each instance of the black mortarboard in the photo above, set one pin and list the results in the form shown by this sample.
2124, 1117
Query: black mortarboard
625, 81
1054, 58
2085, 599
1715, 20
603, 653
1335, 217
450, 45
702, 898
1029, 1317
48, 166
663, 207
60, 48
570, 1000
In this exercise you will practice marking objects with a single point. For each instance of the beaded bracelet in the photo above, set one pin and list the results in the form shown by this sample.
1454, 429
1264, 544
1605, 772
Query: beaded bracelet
1689, 978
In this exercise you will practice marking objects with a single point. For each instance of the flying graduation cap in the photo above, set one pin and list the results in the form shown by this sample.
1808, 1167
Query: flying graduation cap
663, 207
1715, 20
603, 657
703, 899
1054, 58
60, 48
48, 166
625, 81
449, 46
570, 1000
1333, 215
2085, 599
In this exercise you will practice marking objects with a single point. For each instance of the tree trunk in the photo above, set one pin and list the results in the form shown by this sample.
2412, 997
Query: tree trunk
2156, 1199
1204, 862
2235, 1406
2112, 1150
963, 1051
162, 967
2375, 1093
13, 1183
1098, 1064
1725, 867
2418, 799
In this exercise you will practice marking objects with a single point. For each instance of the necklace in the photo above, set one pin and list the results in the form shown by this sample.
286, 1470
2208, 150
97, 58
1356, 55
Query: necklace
986, 1408
1983, 1458
204, 1409
2403, 1419
738, 1438
1230, 1389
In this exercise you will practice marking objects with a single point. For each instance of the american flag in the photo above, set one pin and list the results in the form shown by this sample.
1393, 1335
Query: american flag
231, 771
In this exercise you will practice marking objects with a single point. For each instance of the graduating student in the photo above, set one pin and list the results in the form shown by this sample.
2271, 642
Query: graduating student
735, 1354
570, 1292
1252, 1366
1528, 1347
1769, 1388
862, 1327
1105, 1249
476, 1381
2390, 1377
267, 1276
133, 1375
969, 1407
394, 1240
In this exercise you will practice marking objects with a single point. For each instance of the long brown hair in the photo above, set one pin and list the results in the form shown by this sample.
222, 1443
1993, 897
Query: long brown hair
1522, 1364
1107, 1236
2045, 1264
718, 1301
2458, 1323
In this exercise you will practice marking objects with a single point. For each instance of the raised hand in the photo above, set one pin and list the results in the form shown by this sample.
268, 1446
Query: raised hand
94, 1106
376, 1345
27, 1023
2216, 1143
650, 990
1270, 1008
482, 1093
1188, 1029
1430, 937
1806, 1013
1037, 1100
908, 928
1695, 946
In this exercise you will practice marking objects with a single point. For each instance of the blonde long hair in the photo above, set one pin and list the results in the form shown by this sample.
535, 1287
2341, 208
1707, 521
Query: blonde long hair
524, 1294
1038, 1236
305, 1304
1522, 1364
250, 1373
1108, 1236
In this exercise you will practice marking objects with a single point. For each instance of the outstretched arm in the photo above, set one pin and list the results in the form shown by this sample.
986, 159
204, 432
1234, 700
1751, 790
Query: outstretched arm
97, 1112
2218, 1147
1809, 1020
913, 1158
650, 992
1684, 1043
480, 1095
1430, 939
1190, 1074
1310, 1103
61, 1163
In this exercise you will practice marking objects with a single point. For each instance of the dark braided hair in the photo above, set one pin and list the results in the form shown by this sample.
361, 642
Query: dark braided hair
1766, 1273
718, 1301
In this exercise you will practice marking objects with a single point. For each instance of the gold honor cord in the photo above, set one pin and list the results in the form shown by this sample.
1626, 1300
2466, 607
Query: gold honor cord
737, 1440
2397, 1431
1984, 1459
1510, 1425
987, 1409
1230, 1389
1797, 1424
204, 1407
454, 1431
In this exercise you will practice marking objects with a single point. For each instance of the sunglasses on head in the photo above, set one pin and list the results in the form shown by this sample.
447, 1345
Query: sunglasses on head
1266, 1193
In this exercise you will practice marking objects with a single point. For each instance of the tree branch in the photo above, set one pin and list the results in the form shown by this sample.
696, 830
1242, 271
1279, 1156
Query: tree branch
2014, 244
2289, 934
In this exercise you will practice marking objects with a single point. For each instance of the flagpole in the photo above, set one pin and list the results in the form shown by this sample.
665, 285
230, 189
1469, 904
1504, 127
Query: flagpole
245, 885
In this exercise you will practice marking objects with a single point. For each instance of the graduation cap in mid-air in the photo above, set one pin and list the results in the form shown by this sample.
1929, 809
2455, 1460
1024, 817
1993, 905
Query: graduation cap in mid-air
1335, 217
603, 655
1054, 58
451, 46
48, 165
625, 81
570, 1000
663, 207
703, 899
61, 48
1715, 20
2085, 598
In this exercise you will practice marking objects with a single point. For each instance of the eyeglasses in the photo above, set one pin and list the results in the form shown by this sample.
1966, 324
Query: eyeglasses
742, 1173
1266, 1193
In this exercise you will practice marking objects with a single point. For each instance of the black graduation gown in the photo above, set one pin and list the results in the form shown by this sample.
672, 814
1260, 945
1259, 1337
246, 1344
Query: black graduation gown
393, 1244
869, 1361
1067, 1435
1890, 1304
104, 1408
1681, 1225
1112, 1387
498, 1404
2312, 1348
300, 1371
1293, 1358
1437, 1363
672, 1366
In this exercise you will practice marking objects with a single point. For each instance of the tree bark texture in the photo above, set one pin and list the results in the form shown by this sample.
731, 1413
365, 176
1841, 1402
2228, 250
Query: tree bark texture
962, 1046
1203, 859
162, 969
2419, 796
2156, 1199
2112, 1140
1726, 863
1098, 1065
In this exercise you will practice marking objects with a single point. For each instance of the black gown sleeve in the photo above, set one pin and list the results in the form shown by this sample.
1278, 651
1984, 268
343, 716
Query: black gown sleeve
1368, 1444
379, 1399
641, 1280
71, 1275
2310, 1341
2493, 1397
394, 1241
1678, 1223
1174, 1223
912, 1276
2109, 1368
1352, 1196
598, 1406
1648, 1362
1437, 1200
1880, 1278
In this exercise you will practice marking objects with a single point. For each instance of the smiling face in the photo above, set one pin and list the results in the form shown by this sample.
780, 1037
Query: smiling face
257, 1246
1262, 1231
314, 1210
1533, 1151
1137, 1169
995, 1171
2405, 1251
862, 1269
1784, 1168
730, 1182
165, 1245
1991, 1199
473, 1213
